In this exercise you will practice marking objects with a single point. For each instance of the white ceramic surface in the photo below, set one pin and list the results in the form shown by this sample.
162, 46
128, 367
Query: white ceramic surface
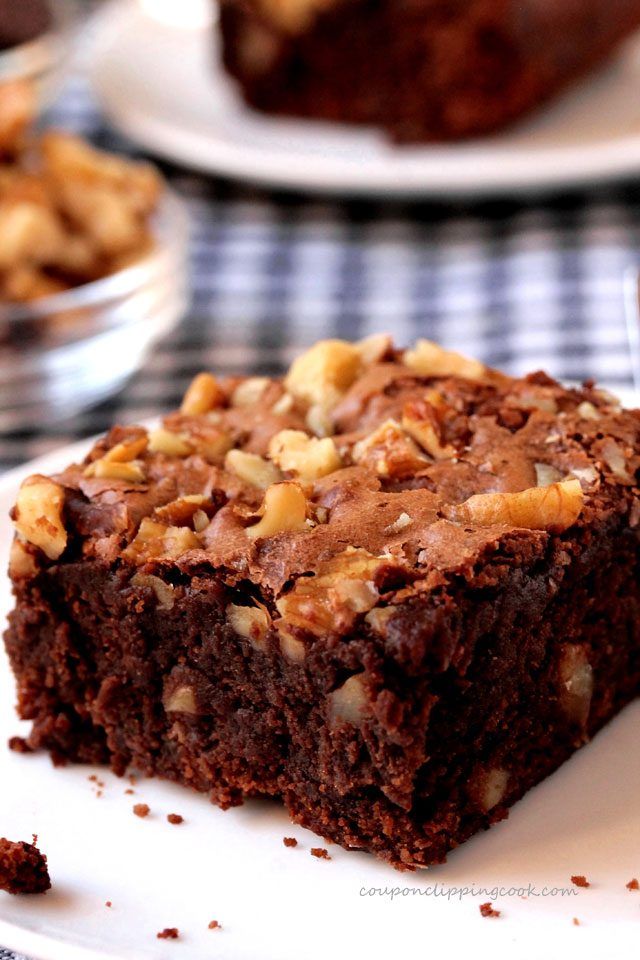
282, 904
160, 84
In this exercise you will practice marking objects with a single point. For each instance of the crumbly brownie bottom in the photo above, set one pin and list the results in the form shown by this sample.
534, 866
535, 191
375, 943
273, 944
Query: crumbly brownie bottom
255, 723
23, 869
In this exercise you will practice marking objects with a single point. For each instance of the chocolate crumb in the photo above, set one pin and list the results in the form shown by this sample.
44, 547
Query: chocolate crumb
19, 745
290, 841
169, 933
576, 922
129, 791
175, 818
141, 809
580, 881
108, 903
633, 884
214, 925
320, 853
487, 910
23, 869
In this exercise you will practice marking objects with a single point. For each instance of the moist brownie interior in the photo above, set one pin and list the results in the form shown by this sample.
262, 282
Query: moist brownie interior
394, 589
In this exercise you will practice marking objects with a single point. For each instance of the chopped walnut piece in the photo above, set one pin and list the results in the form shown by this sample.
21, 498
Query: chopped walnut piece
342, 588
181, 700
535, 400
546, 474
252, 623
575, 676
427, 359
324, 373
164, 592
181, 512
613, 456
389, 451
403, 521
203, 394
319, 422
284, 509
169, 443
290, 646
103, 469
283, 405
349, 703
309, 458
554, 508
374, 348
493, 788
587, 411
252, 469
21, 562
248, 393
159, 541
213, 446
420, 421
38, 515
127, 451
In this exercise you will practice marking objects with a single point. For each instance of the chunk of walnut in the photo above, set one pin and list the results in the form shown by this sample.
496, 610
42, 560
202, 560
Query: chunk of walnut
22, 564
309, 458
155, 540
38, 515
284, 509
576, 682
350, 703
389, 451
249, 392
252, 469
252, 623
164, 592
555, 507
427, 359
324, 373
170, 443
203, 394
181, 700
181, 511
420, 421
103, 469
342, 588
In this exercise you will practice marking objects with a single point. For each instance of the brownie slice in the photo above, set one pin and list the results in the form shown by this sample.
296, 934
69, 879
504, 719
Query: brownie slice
23, 21
395, 590
23, 869
421, 69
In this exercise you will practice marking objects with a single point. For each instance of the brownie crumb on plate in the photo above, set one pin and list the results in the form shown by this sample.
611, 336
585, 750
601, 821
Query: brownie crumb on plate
290, 841
487, 910
175, 818
576, 922
320, 853
580, 881
141, 809
108, 903
23, 868
19, 745
214, 925
633, 884
169, 933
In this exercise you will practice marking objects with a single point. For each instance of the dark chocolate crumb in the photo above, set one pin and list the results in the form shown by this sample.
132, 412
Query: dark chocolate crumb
23, 869
487, 910
633, 884
290, 841
175, 818
580, 881
141, 809
214, 925
320, 853
19, 745
169, 933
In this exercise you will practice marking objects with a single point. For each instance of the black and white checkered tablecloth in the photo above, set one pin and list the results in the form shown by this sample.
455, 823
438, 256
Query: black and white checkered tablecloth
521, 285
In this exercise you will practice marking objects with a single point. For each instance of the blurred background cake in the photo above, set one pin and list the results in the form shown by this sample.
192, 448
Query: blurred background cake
422, 69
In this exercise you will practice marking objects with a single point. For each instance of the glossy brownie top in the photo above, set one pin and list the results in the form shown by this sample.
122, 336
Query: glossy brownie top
366, 469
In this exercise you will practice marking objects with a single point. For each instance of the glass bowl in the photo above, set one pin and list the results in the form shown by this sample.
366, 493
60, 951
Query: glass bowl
42, 60
64, 353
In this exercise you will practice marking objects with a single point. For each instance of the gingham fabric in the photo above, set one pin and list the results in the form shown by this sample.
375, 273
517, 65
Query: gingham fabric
518, 284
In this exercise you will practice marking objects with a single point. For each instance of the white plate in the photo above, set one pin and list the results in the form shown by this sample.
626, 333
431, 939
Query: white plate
282, 904
161, 85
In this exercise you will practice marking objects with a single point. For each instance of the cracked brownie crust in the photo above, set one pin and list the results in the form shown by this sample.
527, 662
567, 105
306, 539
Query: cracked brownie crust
394, 589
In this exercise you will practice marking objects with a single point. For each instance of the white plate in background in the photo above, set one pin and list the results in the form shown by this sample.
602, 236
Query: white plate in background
161, 85
282, 904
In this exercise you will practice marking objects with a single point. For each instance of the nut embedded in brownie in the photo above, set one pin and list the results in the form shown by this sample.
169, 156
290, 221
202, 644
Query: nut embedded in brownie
420, 69
394, 589
23, 869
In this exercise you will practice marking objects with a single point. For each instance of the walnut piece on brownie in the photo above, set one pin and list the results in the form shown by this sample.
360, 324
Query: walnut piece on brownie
394, 588
23, 868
